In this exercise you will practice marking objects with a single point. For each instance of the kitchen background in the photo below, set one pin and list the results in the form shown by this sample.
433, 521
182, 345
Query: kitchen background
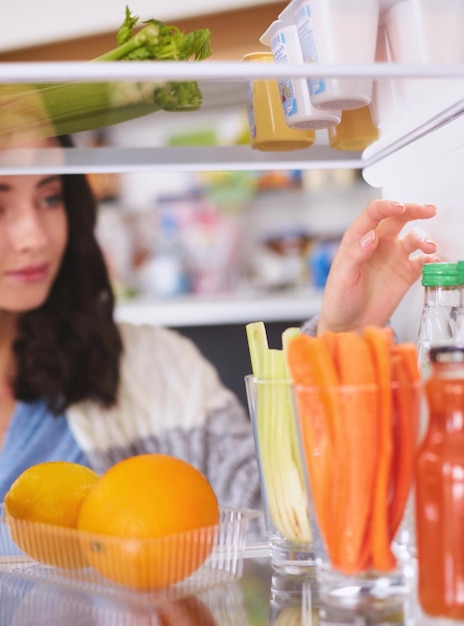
205, 252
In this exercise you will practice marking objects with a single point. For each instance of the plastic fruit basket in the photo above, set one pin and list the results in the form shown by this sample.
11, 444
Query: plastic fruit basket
23, 602
141, 571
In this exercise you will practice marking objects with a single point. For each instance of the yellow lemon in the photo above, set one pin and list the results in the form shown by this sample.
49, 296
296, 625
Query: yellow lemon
50, 495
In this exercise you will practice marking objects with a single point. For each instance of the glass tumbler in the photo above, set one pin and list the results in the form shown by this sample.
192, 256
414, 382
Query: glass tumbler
285, 498
359, 444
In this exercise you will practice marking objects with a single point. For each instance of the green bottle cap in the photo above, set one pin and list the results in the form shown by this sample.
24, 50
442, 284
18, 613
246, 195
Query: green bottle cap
440, 275
460, 270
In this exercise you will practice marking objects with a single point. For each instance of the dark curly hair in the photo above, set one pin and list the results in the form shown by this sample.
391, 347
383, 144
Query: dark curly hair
69, 349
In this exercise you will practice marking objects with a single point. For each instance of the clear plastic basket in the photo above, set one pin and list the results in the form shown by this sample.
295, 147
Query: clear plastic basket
27, 603
138, 571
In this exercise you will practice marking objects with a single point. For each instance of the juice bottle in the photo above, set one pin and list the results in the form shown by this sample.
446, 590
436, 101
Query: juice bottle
440, 488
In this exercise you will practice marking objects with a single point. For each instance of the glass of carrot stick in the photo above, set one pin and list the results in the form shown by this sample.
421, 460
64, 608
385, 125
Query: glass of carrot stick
358, 398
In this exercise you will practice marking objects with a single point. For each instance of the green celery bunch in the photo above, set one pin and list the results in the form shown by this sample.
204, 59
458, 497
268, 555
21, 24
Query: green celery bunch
45, 110
163, 42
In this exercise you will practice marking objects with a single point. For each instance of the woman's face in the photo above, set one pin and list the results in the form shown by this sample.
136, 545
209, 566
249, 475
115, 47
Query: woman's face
33, 237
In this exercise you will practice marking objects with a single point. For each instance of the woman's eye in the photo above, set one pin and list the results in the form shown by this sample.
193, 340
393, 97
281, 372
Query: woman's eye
53, 200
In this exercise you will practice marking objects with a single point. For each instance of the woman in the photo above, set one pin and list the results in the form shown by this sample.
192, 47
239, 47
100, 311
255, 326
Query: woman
76, 386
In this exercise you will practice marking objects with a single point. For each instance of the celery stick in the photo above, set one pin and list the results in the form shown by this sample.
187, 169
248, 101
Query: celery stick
257, 345
289, 492
65, 109
277, 444
287, 336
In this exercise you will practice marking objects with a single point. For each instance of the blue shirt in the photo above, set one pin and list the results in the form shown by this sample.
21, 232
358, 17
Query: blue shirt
34, 436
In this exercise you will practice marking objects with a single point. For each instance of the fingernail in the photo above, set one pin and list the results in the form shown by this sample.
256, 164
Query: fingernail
367, 239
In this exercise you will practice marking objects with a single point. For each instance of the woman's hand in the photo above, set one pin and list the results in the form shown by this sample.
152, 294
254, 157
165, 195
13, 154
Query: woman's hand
375, 266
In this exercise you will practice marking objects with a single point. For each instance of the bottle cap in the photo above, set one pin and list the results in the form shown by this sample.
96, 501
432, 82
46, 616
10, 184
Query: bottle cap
440, 275
460, 271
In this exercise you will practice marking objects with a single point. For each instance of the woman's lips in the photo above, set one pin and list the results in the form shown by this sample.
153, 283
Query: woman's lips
29, 274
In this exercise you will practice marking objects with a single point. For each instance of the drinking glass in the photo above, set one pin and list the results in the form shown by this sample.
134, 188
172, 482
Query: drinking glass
285, 497
358, 443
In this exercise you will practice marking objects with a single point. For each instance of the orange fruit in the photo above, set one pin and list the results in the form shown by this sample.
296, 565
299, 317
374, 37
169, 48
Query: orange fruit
143, 515
42, 507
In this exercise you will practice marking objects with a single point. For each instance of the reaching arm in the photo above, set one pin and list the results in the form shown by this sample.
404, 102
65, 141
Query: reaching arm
375, 265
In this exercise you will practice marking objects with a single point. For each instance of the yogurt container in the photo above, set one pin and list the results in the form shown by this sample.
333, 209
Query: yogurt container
337, 32
386, 104
298, 109
268, 128
356, 130
426, 32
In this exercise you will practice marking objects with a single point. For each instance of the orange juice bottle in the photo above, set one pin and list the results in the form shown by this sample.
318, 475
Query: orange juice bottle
440, 489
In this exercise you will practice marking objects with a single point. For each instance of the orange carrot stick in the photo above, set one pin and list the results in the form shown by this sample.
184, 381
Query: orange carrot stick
380, 342
408, 352
311, 367
330, 341
359, 446
406, 430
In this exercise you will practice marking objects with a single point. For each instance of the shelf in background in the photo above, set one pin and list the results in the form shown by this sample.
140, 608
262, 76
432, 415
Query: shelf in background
413, 121
171, 158
221, 309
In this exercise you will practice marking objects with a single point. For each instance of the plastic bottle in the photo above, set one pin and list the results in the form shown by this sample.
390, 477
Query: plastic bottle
440, 489
459, 329
438, 320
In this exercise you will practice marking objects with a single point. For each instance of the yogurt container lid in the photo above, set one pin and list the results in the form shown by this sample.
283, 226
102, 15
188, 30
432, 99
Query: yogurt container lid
266, 37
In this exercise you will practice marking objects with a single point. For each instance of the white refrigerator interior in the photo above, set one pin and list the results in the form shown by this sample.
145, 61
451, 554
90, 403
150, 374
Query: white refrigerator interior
429, 170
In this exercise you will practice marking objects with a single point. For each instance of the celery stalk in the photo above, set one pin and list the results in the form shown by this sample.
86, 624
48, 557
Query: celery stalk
45, 110
64, 109
275, 431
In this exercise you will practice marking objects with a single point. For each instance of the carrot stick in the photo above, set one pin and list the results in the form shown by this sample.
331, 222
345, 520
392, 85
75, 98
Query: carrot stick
407, 409
408, 352
310, 366
380, 342
330, 341
357, 437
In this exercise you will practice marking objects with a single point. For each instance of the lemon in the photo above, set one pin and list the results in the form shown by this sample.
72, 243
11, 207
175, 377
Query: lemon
42, 508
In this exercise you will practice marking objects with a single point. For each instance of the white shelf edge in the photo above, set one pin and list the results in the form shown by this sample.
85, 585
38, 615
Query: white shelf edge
116, 159
132, 71
218, 310
201, 158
